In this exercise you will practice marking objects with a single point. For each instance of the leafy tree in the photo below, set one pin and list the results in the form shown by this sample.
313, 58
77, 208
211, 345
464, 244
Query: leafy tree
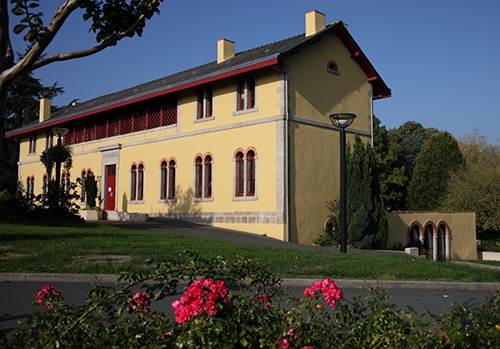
439, 158
409, 137
391, 174
111, 21
476, 186
362, 192
22, 105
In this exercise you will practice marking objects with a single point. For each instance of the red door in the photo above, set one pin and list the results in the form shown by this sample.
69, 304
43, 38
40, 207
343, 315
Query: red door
110, 187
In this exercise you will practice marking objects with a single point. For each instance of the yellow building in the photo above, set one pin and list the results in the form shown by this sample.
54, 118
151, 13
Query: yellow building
243, 142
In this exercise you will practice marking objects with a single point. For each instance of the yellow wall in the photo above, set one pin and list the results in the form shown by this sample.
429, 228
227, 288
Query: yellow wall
314, 146
313, 94
462, 228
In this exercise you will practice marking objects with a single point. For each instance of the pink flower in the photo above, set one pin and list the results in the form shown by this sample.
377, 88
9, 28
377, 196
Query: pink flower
307, 347
283, 343
202, 296
140, 303
328, 288
47, 295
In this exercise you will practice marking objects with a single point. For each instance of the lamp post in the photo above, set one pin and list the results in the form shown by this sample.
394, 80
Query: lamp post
59, 132
342, 121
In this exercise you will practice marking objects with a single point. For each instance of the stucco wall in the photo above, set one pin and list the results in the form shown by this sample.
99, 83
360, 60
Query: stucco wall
462, 229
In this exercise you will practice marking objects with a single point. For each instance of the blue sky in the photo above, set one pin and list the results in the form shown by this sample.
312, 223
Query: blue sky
441, 58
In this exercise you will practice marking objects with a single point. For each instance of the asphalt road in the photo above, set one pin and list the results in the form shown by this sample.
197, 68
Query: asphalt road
16, 298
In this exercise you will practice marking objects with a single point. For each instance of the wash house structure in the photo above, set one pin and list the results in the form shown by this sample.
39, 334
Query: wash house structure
243, 142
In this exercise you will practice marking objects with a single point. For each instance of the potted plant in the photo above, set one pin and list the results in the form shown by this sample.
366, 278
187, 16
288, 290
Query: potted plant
92, 212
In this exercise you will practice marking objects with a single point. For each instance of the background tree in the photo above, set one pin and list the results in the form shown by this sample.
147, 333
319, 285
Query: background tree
22, 105
439, 158
111, 21
390, 172
362, 190
409, 137
476, 187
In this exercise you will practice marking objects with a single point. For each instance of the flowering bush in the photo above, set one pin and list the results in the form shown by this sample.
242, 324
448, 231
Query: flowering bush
242, 305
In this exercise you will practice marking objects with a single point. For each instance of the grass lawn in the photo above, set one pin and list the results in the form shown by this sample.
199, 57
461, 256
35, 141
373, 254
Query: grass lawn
62, 247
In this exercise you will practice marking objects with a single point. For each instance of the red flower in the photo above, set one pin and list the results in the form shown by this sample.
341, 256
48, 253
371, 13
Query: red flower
47, 295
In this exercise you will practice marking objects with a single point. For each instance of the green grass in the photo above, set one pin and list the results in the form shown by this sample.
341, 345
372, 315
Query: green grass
63, 247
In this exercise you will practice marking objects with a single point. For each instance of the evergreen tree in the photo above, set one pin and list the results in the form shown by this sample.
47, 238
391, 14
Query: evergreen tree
391, 174
363, 202
23, 98
439, 158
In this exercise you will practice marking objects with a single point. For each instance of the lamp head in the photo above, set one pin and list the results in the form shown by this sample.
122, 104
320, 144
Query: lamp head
342, 120
59, 131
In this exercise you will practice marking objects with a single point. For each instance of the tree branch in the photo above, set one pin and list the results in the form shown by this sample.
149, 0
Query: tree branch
90, 51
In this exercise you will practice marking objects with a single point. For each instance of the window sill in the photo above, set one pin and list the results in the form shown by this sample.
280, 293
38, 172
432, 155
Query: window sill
167, 201
245, 111
204, 119
245, 198
136, 202
203, 199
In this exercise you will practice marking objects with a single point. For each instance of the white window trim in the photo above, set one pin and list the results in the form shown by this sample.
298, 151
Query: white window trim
168, 184
204, 179
245, 110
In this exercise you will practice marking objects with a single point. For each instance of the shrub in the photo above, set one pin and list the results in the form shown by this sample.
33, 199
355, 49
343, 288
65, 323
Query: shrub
242, 305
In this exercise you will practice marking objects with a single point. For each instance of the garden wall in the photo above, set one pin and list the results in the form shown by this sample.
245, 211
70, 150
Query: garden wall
444, 235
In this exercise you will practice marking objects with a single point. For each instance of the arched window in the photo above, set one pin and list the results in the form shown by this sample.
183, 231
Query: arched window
140, 180
163, 180
30, 187
251, 173
167, 180
199, 178
171, 180
66, 182
83, 195
240, 174
245, 174
45, 187
208, 176
203, 171
133, 183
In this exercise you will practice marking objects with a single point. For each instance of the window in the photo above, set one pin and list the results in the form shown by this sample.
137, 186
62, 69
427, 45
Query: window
245, 94
66, 182
245, 170
32, 144
82, 196
203, 177
204, 106
45, 187
49, 139
30, 187
167, 178
137, 182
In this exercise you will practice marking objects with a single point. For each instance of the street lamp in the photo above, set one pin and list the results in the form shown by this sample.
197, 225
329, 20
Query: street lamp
342, 121
59, 132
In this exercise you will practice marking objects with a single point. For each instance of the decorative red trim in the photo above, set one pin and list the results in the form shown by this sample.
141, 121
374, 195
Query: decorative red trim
178, 88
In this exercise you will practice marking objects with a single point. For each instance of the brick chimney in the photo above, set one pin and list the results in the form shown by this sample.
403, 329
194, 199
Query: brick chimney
225, 50
44, 110
315, 22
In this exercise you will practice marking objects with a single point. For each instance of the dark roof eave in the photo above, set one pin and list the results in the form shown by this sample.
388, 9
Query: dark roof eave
200, 80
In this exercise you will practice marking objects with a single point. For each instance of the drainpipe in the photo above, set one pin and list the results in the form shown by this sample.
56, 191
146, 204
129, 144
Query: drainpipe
287, 171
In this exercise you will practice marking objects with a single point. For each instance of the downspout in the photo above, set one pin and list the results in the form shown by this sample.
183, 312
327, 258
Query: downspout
287, 170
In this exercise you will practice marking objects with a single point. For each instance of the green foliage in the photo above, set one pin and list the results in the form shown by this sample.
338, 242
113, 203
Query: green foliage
57, 153
90, 189
23, 207
382, 235
406, 141
475, 187
390, 172
362, 195
255, 313
439, 158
